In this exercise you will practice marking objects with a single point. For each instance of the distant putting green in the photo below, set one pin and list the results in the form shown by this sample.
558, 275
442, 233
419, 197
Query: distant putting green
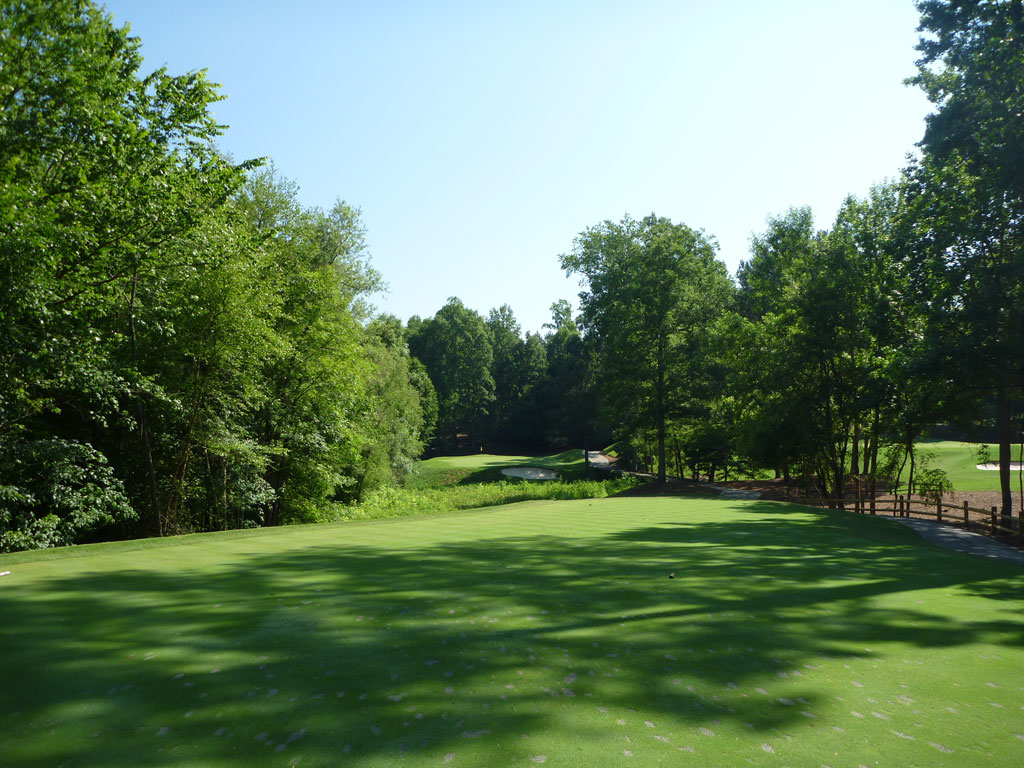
960, 460
487, 467
536, 633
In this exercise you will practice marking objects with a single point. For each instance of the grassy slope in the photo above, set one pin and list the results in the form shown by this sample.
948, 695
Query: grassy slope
545, 630
959, 460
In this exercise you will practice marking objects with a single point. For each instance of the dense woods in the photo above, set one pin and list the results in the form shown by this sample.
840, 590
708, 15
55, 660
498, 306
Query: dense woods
185, 347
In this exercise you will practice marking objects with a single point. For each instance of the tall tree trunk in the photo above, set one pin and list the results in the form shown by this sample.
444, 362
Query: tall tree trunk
1003, 423
1020, 480
217, 477
586, 454
910, 477
873, 454
855, 460
151, 523
660, 394
837, 488
275, 479
176, 499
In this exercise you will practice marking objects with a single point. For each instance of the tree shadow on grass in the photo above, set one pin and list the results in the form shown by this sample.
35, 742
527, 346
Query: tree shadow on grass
481, 651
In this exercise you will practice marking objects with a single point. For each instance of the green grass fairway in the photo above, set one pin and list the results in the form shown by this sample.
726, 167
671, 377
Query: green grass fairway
486, 468
960, 462
536, 633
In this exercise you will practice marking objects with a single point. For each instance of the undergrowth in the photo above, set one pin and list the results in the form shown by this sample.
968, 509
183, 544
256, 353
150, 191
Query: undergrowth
401, 502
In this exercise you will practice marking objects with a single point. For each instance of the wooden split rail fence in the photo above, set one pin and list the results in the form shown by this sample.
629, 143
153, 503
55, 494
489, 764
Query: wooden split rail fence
942, 511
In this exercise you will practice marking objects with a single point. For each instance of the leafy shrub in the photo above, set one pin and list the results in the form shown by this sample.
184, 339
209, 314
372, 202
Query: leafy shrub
401, 502
932, 484
55, 491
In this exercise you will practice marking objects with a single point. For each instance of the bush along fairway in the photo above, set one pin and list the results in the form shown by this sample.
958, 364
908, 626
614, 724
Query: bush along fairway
541, 632
450, 483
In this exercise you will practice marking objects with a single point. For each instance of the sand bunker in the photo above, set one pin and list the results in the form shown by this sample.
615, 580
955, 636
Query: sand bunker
531, 473
1014, 466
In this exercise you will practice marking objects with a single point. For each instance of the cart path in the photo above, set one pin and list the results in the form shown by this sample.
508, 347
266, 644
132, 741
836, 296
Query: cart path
960, 540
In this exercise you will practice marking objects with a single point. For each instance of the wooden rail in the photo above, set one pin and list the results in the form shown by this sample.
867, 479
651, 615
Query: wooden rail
942, 511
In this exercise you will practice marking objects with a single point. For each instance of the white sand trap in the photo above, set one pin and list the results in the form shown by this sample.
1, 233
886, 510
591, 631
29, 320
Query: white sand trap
1014, 466
530, 473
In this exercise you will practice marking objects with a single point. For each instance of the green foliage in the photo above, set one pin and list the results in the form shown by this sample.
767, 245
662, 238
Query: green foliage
932, 483
654, 289
177, 332
766, 281
400, 502
518, 367
565, 401
829, 361
54, 493
983, 454
968, 193
971, 67
393, 420
455, 347
104, 177
420, 381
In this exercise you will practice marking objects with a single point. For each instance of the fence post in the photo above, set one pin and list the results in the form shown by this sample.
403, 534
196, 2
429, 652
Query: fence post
856, 495
966, 518
993, 521
938, 506
900, 505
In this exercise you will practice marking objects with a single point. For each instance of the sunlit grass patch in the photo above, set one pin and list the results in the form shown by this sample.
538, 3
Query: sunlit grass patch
960, 462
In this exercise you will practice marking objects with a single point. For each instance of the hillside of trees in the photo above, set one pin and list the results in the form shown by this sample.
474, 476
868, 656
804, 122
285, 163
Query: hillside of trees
185, 347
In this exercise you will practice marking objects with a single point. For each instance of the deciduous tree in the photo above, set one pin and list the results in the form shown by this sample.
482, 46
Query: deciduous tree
654, 289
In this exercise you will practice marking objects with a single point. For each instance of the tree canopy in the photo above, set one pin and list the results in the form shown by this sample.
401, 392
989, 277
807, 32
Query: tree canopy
654, 292
183, 346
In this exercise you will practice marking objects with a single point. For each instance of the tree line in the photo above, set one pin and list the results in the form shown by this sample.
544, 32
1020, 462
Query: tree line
183, 346
834, 351
186, 347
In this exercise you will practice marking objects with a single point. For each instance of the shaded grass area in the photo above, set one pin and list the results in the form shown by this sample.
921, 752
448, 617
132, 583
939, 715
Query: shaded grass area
537, 631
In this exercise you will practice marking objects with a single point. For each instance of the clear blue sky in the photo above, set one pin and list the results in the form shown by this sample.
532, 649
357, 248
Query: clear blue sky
479, 138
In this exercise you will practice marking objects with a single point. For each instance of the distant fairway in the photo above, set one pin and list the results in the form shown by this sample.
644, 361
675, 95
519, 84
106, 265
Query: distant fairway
486, 467
536, 633
959, 460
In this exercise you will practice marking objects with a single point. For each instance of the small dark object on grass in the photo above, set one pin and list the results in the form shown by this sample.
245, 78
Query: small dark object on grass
672, 575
